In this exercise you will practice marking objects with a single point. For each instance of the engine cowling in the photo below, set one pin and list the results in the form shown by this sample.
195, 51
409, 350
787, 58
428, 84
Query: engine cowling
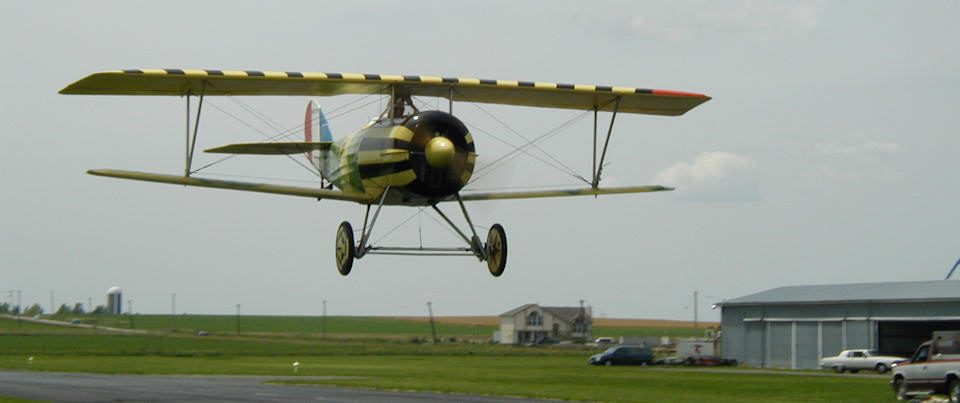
442, 154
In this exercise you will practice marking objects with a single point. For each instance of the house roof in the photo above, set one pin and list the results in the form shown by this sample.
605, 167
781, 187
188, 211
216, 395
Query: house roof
858, 292
567, 314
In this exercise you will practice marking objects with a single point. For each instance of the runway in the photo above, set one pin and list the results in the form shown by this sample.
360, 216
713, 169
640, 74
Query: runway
85, 387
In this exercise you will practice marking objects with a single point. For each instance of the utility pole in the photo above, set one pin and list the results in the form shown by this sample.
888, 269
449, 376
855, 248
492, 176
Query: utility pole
324, 319
19, 309
238, 319
433, 328
695, 309
583, 324
89, 304
53, 307
130, 307
173, 303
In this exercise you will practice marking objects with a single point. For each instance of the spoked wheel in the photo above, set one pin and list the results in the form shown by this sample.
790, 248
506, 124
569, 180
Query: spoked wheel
496, 249
345, 250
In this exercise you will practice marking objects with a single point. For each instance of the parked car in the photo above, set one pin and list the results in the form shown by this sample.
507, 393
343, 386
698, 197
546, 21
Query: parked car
855, 360
604, 340
547, 340
623, 355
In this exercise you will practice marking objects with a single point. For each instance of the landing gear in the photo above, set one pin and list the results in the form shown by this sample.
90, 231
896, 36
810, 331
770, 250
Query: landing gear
345, 250
494, 251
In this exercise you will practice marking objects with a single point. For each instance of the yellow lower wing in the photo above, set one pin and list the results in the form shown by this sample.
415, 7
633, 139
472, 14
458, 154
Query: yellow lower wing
561, 193
232, 185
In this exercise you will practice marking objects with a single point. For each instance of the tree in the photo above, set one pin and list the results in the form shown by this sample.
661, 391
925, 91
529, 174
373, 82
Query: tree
34, 310
99, 310
78, 309
4, 308
63, 310
15, 310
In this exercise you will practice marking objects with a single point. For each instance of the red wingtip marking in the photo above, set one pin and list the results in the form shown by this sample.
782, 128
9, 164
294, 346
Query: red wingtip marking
678, 93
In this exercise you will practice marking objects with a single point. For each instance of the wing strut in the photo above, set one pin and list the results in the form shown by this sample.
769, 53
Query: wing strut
191, 143
599, 168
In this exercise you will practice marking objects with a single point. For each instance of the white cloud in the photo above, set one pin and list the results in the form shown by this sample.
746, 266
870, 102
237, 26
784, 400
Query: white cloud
853, 161
714, 176
867, 148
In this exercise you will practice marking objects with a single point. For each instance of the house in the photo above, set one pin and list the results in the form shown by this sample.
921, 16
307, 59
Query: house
531, 323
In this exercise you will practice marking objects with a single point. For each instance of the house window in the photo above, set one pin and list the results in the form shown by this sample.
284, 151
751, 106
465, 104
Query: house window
534, 319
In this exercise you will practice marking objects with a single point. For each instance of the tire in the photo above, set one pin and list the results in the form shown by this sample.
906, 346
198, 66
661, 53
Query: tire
496, 249
900, 388
882, 368
839, 369
345, 251
608, 363
953, 391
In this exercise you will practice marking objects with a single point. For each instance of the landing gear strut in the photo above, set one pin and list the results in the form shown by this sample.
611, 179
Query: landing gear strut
494, 251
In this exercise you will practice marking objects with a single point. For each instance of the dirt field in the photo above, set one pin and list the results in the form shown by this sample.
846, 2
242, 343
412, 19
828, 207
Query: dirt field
599, 322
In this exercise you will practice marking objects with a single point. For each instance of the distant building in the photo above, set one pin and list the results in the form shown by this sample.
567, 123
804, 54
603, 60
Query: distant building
794, 327
114, 298
531, 323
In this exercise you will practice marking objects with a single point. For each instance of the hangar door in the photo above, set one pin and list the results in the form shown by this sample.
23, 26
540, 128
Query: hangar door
903, 337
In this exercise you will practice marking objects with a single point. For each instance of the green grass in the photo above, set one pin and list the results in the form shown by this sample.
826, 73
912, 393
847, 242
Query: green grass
600, 331
556, 377
386, 357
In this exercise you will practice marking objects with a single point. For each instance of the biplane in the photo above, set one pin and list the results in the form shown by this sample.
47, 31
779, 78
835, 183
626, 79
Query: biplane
404, 157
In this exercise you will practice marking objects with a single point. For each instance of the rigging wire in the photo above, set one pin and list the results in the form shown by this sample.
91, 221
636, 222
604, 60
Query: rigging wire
499, 162
530, 143
280, 133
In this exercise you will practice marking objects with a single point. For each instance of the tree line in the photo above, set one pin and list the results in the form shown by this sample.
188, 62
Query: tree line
36, 309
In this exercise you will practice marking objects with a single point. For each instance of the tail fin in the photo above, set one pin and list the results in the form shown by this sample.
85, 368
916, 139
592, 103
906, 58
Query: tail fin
315, 125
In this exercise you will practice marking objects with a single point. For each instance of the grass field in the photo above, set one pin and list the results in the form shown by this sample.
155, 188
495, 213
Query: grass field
338, 326
385, 360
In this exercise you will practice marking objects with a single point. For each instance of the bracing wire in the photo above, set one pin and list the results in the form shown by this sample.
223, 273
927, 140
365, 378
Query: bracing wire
528, 142
499, 162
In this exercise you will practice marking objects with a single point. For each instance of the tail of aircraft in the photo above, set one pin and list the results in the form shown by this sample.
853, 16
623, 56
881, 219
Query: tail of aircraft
315, 125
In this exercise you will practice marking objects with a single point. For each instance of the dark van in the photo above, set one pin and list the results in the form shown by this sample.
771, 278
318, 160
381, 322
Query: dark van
623, 355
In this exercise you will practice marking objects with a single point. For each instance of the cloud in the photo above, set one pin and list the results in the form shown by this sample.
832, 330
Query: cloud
853, 161
864, 149
714, 176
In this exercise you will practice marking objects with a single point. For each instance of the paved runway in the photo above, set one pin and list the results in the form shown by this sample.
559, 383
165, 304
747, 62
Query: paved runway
83, 387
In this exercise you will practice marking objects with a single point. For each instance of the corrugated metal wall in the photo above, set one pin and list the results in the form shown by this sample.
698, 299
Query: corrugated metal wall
798, 335
806, 345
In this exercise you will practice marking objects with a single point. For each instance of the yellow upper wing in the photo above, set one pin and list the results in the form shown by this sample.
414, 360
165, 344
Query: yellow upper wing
526, 93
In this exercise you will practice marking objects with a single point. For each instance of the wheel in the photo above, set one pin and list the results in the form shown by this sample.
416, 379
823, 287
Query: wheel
900, 388
954, 391
839, 369
608, 363
496, 249
345, 250
882, 368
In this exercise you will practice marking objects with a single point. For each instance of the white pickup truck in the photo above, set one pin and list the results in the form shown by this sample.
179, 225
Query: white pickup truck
934, 368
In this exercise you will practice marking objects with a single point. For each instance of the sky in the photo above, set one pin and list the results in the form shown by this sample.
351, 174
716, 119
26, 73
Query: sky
826, 155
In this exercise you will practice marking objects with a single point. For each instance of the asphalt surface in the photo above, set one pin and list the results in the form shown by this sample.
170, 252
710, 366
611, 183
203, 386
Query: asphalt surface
84, 387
